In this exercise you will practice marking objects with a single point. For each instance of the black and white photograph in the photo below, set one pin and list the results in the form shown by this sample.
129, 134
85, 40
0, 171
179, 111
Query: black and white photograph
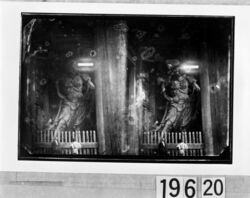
126, 88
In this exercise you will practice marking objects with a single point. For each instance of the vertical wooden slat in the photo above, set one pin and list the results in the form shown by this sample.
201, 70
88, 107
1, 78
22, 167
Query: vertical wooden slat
83, 136
147, 135
155, 139
48, 136
87, 136
193, 137
151, 134
148, 142
159, 136
69, 136
190, 137
186, 137
152, 137
94, 136
90, 138
79, 136
200, 137
65, 135
149, 138
73, 136
44, 136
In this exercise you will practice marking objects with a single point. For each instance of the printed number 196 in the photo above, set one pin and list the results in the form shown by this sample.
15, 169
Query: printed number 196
176, 187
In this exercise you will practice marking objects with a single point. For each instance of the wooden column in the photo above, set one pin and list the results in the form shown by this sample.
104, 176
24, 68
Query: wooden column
111, 43
205, 103
133, 137
99, 63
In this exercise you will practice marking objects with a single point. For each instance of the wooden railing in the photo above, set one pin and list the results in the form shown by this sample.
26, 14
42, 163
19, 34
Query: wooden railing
43, 142
193, 139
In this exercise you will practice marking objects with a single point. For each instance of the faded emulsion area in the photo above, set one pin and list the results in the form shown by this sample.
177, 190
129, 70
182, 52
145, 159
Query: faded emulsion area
126, 88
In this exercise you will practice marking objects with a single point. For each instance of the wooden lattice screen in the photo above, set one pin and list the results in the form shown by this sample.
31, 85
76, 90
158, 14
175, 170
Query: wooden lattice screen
43, 142
193, 139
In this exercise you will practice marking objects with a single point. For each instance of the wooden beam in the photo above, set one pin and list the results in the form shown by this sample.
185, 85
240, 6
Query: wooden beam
205, 103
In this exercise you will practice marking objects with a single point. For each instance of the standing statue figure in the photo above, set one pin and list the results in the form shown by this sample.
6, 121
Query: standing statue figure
72, 109
176, 90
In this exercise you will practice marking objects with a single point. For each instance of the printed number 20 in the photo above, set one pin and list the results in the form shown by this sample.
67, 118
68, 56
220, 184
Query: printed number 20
213, 187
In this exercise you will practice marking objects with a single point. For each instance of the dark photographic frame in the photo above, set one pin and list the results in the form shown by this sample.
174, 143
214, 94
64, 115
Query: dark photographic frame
124, 66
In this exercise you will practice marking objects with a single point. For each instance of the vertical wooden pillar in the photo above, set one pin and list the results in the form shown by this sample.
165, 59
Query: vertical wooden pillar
229, 61
99, 63
205, 103
111, 69
133, 137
